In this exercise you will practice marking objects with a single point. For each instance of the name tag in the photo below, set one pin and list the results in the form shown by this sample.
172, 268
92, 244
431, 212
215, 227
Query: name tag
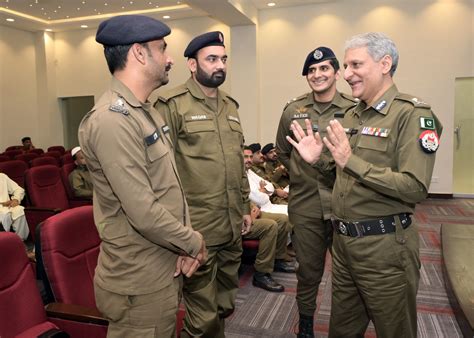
300, 116
151, 139
233, 118
198, 117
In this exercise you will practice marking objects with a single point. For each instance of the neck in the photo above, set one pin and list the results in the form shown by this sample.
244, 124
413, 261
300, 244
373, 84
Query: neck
386, 84
326, 96
136, 84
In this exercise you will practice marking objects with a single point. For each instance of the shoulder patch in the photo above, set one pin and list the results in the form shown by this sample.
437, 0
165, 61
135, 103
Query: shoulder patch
180, 90
119, 107
417, 102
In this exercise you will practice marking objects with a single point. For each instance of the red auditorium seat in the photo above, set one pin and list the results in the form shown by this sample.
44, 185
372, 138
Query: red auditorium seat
59, 149
46, 194
15, 170
56, 154
38, 151
27, 158
4, 158
13, 148
66, 158
22, 313
12, 153
43, 160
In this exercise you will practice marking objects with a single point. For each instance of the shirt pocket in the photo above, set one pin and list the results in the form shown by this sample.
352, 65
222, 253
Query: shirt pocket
195, 123
156, 151
373, 143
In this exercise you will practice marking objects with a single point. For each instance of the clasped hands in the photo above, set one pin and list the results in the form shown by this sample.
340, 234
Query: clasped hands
187, 265
310, 145
10, 204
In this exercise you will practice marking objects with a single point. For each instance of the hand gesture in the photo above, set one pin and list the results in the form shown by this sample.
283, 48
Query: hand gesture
310, 145
338, 143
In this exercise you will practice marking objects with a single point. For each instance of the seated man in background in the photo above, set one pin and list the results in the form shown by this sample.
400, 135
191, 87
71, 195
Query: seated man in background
80, 178
12, 215
278, 195
272, 232
27, 144
275, 171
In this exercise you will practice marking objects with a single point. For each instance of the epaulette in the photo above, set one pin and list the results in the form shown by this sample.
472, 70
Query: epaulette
118, 106
304, 96
233, 100
350, 98
418, 103
180, 90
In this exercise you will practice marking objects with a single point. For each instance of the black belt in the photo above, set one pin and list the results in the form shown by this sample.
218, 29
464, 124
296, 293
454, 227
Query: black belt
371, 227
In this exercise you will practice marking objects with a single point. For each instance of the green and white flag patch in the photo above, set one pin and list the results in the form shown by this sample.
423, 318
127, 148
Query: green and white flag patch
427, 123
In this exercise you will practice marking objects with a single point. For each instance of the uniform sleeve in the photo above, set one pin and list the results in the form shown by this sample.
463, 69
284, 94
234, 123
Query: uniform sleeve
256, 196
245, 191
411, 179
14, 190
282, 145
78, 185
121, 151
169, 113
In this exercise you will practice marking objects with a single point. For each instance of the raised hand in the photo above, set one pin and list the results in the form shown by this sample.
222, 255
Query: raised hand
308, 145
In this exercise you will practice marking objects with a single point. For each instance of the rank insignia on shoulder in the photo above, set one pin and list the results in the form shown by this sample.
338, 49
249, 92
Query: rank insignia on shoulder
379, 132
427, 123
151, 139
429, 141
119, 107
380, 105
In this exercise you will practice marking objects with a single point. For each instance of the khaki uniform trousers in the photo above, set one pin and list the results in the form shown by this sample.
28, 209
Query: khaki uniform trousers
375, 278
271, 230
145, 316
311, 239
209, 294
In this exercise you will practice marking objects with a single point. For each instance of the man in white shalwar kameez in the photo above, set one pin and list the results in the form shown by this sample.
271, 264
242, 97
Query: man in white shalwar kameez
12, 215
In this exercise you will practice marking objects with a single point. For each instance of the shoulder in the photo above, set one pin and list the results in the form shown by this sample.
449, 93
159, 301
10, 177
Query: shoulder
173, 93
295, 101
349, 99
230, 99
413, 101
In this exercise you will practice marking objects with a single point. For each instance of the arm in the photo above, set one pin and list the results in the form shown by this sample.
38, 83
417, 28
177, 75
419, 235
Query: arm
15, 191
283, 147
78, 186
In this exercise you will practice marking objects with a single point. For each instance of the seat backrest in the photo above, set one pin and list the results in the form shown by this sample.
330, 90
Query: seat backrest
66, 158
21, 307
45, 187
4, 158
38, 151
43, 160
27, 158
15, 170
12, 153
66, 169
59, 149
69, 247
14, 147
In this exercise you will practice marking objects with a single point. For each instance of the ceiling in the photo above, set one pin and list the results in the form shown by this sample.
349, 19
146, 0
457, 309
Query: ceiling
60, 15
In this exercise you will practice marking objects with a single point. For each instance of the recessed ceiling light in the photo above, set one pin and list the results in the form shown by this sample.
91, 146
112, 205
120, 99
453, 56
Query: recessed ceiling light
166, 16
131, 2
271, 4
48, 30
123, 7
150, 3
55, 11
78, 8
10, 20
31, 5
59, 6
83, 2
84, 26
106, 4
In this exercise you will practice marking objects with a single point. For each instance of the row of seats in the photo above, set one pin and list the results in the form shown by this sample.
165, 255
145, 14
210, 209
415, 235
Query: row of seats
47, 187
60, 149
34, 159
66, 266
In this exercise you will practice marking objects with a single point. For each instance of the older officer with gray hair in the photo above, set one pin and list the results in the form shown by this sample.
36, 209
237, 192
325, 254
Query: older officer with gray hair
139, 205
385, 157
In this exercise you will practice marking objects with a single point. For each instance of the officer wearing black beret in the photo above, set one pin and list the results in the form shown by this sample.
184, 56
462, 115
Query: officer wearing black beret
207, 135
267, 148
148, 241
309, 205
255, 147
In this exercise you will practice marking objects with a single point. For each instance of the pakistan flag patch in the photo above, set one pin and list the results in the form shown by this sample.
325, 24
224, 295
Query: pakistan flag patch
427, 123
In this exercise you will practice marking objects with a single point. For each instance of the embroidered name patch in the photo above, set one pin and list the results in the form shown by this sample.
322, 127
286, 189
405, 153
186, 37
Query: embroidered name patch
372, 131
301, 116
233, 118
149, 140
199, 117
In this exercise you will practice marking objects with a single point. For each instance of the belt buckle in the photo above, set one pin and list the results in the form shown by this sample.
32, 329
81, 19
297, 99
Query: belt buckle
342, 228
359, 229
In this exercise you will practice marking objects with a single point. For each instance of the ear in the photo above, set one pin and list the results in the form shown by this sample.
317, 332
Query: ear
138, 52
386, 63
192, 64
337, 74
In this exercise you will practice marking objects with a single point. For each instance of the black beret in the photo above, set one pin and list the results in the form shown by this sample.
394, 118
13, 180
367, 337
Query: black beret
26, 138
267, 148
128, 29
207, 39
255, 147
318, 55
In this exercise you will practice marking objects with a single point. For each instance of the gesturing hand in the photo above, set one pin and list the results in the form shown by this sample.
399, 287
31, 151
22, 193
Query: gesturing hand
309, 145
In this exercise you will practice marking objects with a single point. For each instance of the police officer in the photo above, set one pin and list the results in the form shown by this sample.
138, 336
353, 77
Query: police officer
275, 171
139, 205
385, 158
80, 178
309, 204
207, 134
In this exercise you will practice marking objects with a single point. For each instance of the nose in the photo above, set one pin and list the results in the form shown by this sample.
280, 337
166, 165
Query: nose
170, 61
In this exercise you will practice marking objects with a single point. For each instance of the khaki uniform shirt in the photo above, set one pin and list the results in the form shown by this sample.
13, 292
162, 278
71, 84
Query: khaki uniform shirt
310, 186
388, 171
259, 170
81, 183
139, 206
208, 151
277, 175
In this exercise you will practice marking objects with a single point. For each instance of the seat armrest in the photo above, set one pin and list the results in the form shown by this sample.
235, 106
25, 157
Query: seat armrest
76, 313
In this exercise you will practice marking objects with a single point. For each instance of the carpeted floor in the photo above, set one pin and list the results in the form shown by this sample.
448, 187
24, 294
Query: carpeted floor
264, 314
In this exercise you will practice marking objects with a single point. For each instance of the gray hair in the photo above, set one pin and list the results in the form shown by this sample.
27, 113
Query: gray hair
378, 45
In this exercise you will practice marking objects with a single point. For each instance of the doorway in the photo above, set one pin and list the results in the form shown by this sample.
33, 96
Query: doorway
463, 152
73, 110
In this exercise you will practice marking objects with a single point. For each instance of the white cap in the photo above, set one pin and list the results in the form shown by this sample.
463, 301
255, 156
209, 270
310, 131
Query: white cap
75, 150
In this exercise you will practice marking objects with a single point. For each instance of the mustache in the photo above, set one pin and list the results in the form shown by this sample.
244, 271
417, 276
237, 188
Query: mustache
220, 72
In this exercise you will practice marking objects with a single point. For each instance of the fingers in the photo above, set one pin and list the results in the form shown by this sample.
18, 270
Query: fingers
298, 131
177, 270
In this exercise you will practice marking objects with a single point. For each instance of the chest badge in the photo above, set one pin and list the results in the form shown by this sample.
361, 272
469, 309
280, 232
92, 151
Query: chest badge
372, 131
429, 141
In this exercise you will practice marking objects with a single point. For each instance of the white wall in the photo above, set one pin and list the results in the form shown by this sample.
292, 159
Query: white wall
435, 42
